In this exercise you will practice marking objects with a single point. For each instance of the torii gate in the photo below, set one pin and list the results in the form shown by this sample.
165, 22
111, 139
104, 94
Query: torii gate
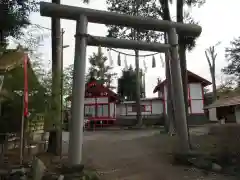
83, 16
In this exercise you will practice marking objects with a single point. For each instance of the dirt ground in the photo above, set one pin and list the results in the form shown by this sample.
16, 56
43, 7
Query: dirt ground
136, 155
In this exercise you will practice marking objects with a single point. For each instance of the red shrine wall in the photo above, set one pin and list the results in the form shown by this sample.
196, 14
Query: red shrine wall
99, 108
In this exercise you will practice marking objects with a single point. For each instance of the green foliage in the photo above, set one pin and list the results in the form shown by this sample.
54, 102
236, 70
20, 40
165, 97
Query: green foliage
36, 123
13, 82
145, 8
198, 3
205, 90
227, 88
14, 15
99, 70
67, 80
11, 113
127, 85
189, 42
232, 54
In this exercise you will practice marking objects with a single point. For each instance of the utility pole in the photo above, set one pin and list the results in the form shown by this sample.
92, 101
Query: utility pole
56, 79
62, 48
61, 102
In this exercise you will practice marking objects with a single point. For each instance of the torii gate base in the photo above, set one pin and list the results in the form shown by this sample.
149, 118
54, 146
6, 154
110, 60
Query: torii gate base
82, 16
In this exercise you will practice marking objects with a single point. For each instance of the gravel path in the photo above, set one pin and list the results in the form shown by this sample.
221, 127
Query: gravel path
136, 155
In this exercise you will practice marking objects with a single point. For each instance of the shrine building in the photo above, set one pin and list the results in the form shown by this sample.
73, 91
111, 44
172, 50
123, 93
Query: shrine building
195, 97
99, 105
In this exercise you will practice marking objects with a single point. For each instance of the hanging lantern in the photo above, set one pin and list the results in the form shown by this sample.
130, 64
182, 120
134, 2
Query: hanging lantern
99, 59
110, 57
99, 50
162, 61
153, 62
125, 62
95, 73
119, 59
144, 65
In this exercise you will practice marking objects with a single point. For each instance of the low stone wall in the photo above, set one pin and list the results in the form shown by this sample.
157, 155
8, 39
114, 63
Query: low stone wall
197, 119
130, 120
147, 120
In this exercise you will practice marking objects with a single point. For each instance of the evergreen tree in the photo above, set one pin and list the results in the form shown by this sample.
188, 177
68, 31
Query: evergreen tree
232, 54
99, 70
126, 84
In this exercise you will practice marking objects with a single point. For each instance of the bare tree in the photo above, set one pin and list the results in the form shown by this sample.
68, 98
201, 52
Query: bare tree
211, 56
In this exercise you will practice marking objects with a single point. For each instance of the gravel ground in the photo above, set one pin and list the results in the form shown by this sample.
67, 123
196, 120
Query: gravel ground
136, 155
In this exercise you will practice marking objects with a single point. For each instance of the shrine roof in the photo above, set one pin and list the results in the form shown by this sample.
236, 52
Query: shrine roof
97, 89
192, 77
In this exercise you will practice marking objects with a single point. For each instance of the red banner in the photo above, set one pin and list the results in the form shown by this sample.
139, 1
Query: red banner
25, 85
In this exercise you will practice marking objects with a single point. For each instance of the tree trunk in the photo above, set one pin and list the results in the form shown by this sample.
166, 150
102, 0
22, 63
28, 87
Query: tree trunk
214, 85
138, 100
170, 107
183, 62
54, 135
169, 123
138, 87
178, 97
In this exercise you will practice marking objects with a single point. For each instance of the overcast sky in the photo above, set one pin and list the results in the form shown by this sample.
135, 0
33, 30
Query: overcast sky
218, 22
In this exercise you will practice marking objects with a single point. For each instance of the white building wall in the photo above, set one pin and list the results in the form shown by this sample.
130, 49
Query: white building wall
212, 114
146, 103
196, 97
157, 107
111, 110
90, 101
152, 106
120, 110
102, 100
103, 109
195, 91
237, 114
96, 100
197, 106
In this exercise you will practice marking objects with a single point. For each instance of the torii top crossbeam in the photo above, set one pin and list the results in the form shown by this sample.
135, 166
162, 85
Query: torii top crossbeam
111, 18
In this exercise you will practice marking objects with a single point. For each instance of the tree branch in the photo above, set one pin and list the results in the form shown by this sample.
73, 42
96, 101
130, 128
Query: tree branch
208, 59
